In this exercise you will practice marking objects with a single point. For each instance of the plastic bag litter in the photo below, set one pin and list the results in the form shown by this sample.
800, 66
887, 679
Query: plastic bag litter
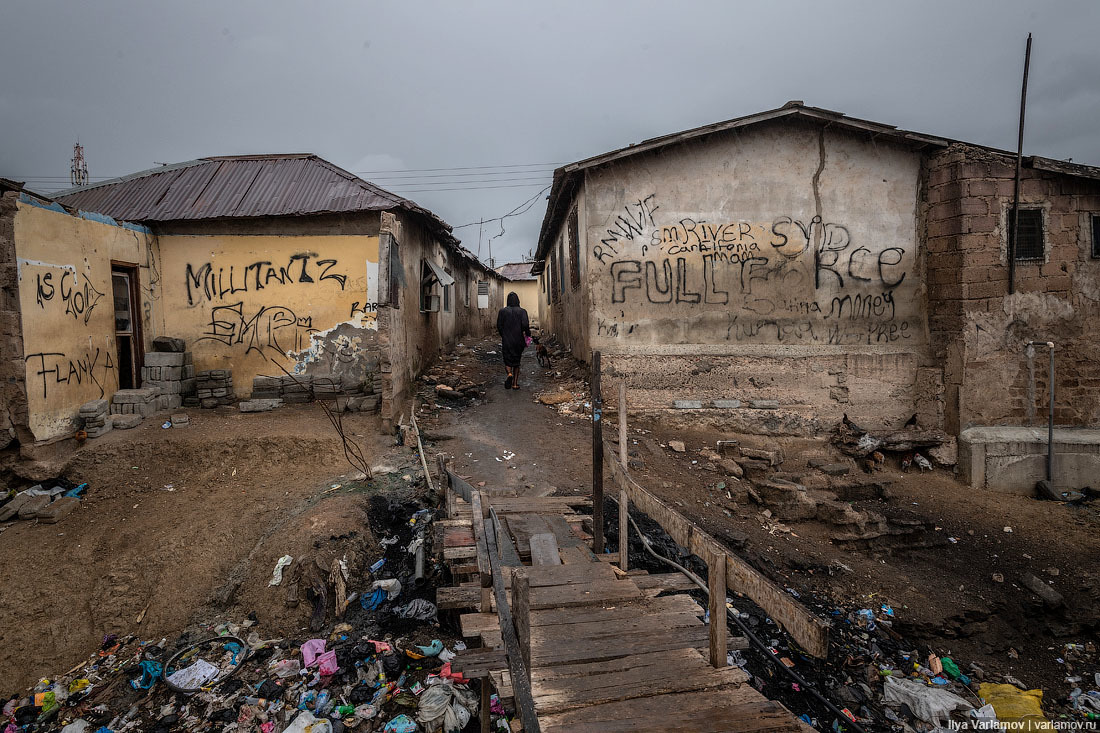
419, 609
446, 704
77, 726
392, 587
930, 704
1022, 708
306, 723
194, 676
400, 724
282, 564
433, 649
311, 650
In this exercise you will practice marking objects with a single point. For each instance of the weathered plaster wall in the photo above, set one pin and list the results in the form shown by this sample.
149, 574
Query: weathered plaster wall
13, 372
413, 339
778, 262
253, 303
65, 297
565, 304
977, 328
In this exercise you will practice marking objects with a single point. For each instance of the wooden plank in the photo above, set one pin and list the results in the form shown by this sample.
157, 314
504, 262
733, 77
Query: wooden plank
502, 681
548, 575
459, 553
492, 639
538, 505
484, 569
544, 549
522, 526
579, 555
614, 612
660, 673
457, 598
472, 624
479, 662
520, 681
563, 531
716, 587
736, 710
612, 557
624, 517
811, 632
458, 536
569, 650
584, 628
509, 558
583, 594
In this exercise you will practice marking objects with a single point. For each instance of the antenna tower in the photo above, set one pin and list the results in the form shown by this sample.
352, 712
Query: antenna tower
78, 173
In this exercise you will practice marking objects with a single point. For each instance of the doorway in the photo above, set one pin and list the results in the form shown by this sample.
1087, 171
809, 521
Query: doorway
124, 289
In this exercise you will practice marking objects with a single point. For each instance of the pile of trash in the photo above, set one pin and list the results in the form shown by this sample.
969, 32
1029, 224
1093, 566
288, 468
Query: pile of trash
382, 665
48, 502
880, 682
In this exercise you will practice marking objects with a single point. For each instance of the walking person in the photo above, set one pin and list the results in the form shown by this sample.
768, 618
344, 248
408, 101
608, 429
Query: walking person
515, 334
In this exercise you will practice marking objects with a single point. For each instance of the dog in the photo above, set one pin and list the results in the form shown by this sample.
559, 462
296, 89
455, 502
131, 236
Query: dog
542, 354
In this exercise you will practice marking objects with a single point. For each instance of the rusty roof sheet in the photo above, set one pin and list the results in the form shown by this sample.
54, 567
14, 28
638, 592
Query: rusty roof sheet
517, 271
239, 186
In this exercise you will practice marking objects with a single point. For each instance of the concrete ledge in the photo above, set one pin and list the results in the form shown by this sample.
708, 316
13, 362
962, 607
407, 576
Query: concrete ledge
1013, 459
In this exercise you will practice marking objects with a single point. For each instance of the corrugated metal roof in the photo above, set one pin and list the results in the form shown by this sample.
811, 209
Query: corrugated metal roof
517, 271
238, 186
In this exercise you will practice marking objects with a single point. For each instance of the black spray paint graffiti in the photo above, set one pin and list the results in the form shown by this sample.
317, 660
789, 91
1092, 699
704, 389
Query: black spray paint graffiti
271, 331
362, 308
79, 299
55, 368
206, 282
830, 244
633, 222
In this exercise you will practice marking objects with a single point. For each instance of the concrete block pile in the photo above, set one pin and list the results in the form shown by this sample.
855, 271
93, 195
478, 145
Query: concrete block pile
141, 402
96, 416
215, 387
172, 373
350, 393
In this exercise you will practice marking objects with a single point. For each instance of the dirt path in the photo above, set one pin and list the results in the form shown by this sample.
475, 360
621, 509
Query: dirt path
944, 592
176, 522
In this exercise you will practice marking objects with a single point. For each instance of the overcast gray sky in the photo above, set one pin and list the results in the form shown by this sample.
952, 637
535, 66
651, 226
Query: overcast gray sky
390, 89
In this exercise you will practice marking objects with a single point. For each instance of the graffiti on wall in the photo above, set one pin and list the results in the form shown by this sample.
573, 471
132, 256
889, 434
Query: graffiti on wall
63, 290
205, 282
270, 331
56, 370
787, 280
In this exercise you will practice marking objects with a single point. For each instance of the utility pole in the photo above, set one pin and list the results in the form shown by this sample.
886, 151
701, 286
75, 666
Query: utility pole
78, 170
1016, 189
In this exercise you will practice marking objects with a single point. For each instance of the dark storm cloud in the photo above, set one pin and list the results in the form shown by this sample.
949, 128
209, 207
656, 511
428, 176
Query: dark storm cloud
398, 86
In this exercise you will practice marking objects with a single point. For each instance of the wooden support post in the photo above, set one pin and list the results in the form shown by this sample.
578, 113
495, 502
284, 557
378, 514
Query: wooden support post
445, 483
484, 567
622, 424
486, 716
624, 531
716, 585
597, 457
521, 612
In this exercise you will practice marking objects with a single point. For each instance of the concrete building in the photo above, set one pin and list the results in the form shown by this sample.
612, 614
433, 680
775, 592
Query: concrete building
524, 284
786, 268
261, 263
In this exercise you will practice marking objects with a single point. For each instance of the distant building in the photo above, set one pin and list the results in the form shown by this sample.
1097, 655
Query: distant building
260, 262
834, 266
524, 284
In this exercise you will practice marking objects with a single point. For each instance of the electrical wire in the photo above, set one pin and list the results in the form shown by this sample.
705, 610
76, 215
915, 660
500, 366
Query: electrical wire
514, 212
753, 639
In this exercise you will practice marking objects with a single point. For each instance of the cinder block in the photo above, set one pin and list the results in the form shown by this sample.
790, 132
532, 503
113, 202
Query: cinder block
687, 404
169, 344
727, 404
125, 422
95, 407
164, 358
259, 405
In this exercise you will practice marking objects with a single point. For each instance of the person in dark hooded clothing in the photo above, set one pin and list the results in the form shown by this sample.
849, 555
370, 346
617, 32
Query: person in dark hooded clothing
515, 332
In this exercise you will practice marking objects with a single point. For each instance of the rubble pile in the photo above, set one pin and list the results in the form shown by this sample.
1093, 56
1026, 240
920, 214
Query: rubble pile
351, 394
375, 659
48, 502
95, 417
172, 373
213, 387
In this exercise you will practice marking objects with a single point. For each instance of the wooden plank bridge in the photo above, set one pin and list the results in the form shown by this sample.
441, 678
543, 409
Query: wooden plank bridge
579, 643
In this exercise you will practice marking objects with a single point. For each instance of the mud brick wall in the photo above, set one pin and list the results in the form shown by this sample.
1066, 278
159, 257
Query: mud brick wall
976, 327
13, 392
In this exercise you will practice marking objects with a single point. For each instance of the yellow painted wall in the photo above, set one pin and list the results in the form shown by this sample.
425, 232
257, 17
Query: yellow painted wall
252, 303
528, 292
64, 265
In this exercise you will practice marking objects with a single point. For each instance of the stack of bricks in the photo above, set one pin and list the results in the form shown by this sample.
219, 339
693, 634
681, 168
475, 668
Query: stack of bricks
141, 402
172, 374
215, 387
95, 415
350, 393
